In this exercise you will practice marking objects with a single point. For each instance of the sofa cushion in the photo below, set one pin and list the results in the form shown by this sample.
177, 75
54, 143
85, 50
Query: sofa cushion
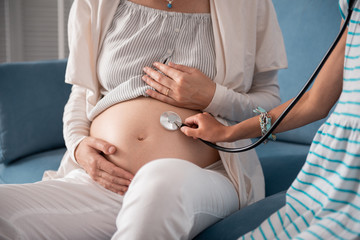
245, 220
32, 99
30, 169
309, 28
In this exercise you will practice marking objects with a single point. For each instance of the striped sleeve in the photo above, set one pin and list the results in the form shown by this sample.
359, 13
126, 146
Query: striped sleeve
343, 5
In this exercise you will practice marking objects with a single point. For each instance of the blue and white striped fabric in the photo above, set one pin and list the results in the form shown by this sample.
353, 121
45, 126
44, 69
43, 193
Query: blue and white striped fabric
324, 200
137, 37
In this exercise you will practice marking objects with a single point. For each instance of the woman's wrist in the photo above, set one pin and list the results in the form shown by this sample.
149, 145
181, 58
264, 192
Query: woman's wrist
209, 98
74, 152
208, 95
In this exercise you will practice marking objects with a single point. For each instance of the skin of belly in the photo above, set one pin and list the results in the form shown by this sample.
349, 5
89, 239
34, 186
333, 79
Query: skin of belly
134, 128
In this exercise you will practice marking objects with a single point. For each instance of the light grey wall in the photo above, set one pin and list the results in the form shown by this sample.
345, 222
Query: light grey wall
31, 29
2, 32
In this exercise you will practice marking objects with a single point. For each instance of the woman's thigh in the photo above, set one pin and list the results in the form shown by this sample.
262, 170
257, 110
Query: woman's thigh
175, 199
74, 207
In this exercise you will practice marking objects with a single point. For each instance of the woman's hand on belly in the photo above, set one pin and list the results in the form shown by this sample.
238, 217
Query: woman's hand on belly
180, 86
90, 155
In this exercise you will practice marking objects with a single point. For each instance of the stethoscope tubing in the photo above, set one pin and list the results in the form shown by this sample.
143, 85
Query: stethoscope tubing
296, 99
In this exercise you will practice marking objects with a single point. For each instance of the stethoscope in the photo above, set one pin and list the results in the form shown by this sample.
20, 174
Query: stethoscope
172, 121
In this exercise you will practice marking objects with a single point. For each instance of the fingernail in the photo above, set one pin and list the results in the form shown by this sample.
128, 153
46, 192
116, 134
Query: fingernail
145, 68
156, 64
112, 149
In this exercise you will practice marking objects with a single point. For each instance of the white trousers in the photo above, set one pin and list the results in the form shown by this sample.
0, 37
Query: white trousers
167, 199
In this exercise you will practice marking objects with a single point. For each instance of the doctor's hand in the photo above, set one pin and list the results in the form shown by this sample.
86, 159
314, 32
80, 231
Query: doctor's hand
180, 85
90, 155
206, 127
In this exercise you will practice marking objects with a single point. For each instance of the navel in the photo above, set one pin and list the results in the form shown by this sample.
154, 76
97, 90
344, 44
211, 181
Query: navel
141, 138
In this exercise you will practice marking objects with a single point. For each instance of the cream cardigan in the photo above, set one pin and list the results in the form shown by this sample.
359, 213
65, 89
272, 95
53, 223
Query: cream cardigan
249, 49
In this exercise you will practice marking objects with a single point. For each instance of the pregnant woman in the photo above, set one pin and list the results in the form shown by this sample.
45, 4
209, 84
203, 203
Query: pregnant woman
124, 176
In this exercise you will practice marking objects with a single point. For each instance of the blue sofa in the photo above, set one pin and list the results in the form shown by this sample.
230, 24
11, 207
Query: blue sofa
33, 95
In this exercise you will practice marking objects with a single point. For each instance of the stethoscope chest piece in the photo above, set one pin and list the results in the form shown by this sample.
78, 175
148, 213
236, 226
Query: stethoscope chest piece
170, 120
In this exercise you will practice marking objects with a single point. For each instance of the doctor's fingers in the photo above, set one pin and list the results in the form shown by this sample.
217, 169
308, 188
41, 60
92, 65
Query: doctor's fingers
197, 119
192, 126
202, 125
191, 132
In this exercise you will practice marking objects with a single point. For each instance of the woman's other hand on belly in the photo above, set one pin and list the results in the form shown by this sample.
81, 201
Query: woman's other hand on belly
90, 155
180, 85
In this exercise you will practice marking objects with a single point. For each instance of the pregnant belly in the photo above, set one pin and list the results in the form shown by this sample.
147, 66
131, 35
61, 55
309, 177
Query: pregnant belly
134, 128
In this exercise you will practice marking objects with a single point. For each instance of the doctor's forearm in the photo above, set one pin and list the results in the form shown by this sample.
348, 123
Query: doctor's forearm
300, 115
314, 105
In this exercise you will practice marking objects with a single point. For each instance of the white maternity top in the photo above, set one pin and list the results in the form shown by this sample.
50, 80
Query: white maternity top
186, 38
